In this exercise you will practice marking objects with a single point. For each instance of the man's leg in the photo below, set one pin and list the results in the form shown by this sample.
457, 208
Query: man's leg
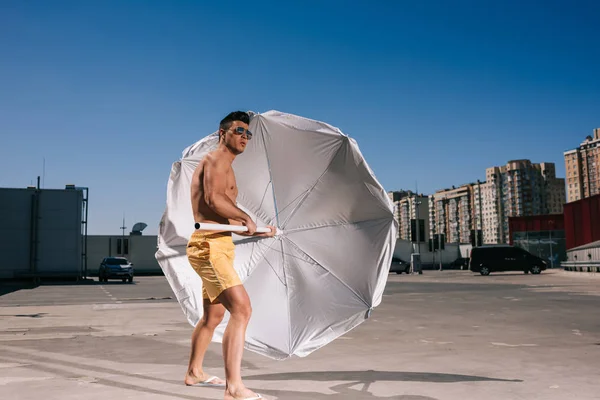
201, 338
237, 302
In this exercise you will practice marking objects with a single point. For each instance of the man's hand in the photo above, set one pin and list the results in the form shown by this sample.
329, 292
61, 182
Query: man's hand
251, 226
268, 234
273, 231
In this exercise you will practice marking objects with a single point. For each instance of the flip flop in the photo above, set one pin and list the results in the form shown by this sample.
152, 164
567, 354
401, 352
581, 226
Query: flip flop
257, 397
209, 383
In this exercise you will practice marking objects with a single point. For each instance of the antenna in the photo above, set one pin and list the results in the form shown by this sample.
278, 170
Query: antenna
123, 227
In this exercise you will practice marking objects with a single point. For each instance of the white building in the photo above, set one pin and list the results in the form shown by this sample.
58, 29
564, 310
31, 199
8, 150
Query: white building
137, 249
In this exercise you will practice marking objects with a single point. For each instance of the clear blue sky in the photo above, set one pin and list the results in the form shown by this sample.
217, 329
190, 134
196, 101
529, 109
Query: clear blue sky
110, 92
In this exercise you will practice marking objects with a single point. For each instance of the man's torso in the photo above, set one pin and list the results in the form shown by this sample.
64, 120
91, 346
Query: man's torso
202, 212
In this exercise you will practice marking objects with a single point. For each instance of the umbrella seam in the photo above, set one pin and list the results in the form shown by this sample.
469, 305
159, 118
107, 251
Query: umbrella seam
309, 191
335, 224
270, 172
375, 195
287, 295
332, 274
263, 256
257, 210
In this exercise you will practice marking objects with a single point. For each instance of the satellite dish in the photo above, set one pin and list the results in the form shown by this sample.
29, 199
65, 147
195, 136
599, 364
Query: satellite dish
138, 228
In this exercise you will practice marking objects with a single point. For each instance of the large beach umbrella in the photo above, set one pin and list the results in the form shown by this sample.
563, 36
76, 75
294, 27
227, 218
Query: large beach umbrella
326, 268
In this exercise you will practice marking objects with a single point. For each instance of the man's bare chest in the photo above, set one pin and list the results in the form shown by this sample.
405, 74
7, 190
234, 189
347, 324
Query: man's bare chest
231, 188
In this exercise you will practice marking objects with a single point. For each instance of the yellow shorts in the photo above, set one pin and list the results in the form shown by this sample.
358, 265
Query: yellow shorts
211, 255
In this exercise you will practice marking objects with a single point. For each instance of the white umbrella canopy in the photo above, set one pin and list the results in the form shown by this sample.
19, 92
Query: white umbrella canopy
327, 266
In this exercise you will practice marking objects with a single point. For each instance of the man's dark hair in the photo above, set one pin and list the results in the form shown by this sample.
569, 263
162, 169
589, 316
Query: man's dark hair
234, 116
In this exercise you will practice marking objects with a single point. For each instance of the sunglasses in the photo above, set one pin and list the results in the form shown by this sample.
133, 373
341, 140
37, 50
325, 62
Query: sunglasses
240, 131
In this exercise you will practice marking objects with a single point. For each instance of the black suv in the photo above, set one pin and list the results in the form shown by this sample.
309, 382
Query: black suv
115, 268
500, 258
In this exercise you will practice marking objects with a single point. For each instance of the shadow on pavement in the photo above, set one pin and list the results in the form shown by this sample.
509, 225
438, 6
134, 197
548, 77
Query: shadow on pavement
8, 287
364, 378
343, 392
371, 376
105, 381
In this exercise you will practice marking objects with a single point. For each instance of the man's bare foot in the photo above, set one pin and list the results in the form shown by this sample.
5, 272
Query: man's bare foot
202, 378
240, 393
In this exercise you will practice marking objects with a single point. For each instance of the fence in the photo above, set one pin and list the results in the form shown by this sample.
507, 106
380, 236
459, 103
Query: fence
581, 266
548, 245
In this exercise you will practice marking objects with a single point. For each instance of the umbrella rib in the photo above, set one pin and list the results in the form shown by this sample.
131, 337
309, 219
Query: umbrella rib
270, 247
270, 173
307, 192
256, 211
287, 296
295, 230
264, 195
292, 202
331, 273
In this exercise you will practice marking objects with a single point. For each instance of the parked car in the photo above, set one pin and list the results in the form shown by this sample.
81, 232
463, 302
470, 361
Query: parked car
399, 266
500, 258
115, 268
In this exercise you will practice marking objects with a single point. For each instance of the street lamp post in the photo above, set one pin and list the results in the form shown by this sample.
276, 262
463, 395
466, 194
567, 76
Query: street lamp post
418, 224
416, 204
123, 227
551, 226
440, 246
480, 214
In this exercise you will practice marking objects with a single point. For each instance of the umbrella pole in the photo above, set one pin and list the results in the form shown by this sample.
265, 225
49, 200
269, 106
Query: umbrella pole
227, 228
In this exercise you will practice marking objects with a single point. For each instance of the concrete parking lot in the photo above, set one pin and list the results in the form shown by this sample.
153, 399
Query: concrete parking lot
437, 336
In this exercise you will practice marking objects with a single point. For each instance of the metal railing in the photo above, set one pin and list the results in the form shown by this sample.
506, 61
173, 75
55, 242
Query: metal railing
581, 266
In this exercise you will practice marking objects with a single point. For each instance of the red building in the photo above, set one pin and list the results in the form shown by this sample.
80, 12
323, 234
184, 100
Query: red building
541, 235
554, 234
535, 223
582, 221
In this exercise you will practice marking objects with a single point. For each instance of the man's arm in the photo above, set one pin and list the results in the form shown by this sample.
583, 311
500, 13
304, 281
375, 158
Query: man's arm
268, 234
215, 184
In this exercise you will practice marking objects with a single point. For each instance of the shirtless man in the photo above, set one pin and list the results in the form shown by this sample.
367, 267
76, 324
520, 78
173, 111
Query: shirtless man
214, 192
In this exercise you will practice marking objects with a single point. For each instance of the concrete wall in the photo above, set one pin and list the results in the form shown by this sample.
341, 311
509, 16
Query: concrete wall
15, 232
139, 250
40, 232
452, 251
586, 253
60, 245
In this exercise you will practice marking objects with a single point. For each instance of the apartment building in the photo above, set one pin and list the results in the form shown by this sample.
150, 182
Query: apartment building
395, 197
407, 207
415, 208
487, 210
452, 213
583, 178
519, 188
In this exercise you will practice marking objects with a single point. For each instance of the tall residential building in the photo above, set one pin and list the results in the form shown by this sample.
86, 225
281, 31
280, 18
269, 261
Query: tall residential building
519, 188
412, 208
407, 206
583, 178
452, 212
395, 197
486, 200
